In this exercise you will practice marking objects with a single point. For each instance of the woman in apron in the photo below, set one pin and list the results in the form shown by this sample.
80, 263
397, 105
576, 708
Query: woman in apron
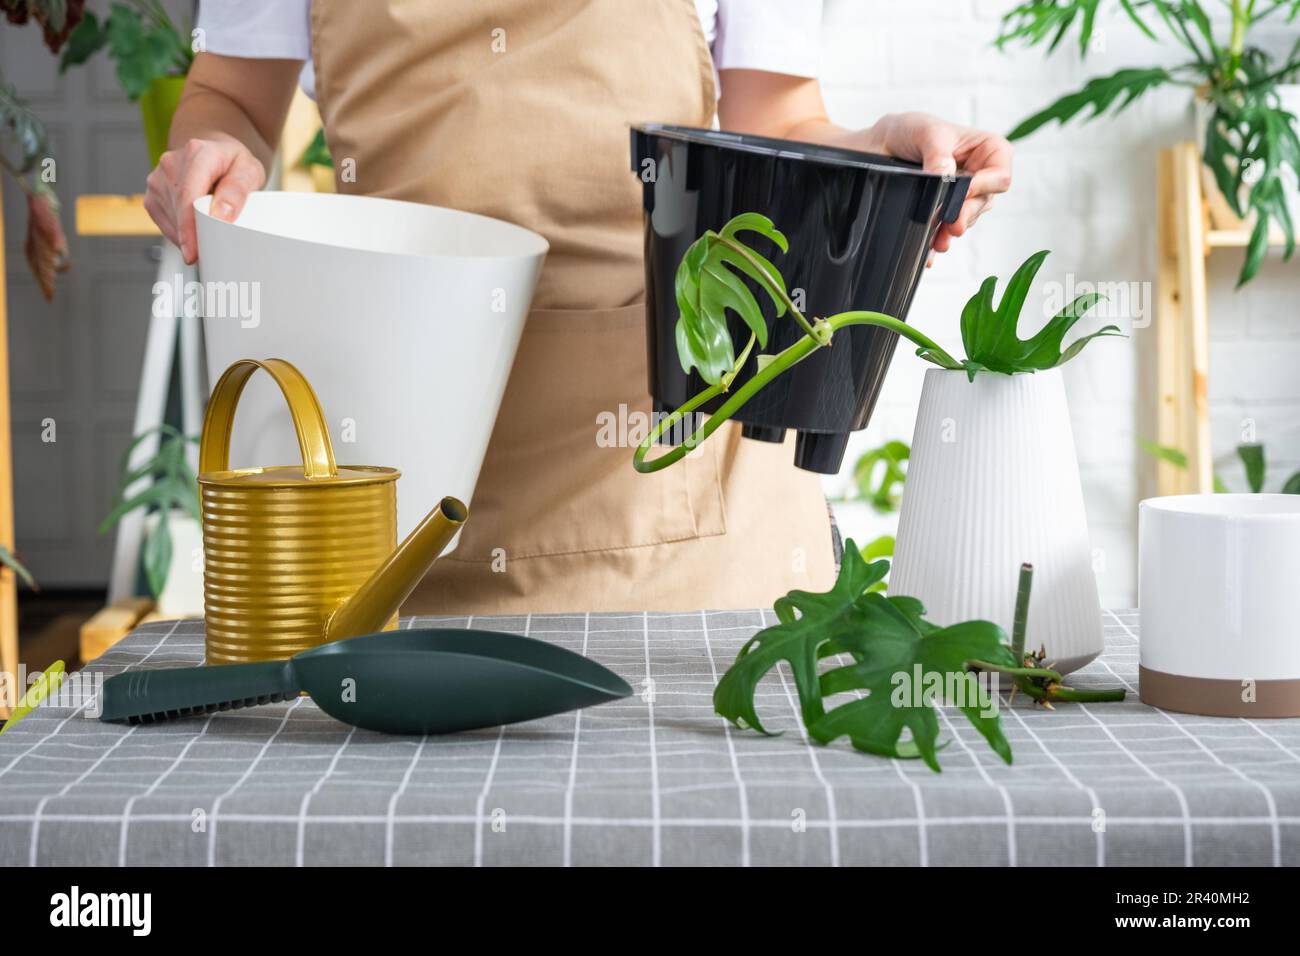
520, 110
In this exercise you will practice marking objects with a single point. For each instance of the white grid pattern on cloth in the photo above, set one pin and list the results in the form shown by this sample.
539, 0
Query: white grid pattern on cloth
658, 777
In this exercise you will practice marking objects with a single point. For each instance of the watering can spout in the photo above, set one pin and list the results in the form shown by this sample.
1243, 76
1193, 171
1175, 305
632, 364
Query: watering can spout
379, 598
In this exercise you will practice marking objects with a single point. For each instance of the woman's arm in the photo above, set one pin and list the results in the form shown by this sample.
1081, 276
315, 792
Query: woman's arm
791, 107
222, 139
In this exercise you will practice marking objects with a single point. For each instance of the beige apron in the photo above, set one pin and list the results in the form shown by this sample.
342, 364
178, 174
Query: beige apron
520, 109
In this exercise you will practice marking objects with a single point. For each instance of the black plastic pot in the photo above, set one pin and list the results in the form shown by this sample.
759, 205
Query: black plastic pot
860, 228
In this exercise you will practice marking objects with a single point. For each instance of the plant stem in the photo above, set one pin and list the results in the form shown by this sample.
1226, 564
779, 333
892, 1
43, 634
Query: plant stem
1021, 618
1076, 696
1017, 671
791, 356
782, 362
942, 358
1237, 43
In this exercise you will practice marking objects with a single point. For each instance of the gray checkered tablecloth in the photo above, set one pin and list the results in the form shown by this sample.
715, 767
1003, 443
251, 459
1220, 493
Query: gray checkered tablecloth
656, 778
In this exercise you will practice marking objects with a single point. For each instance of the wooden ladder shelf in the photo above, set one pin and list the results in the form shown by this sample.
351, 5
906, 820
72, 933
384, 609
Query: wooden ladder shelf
1185, 241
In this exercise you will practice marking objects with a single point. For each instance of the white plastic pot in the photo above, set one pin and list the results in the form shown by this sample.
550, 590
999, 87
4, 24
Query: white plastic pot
1217, 586
993, 482
404, 317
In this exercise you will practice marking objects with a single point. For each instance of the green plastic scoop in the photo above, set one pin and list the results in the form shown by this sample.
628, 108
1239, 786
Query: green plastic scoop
418, 681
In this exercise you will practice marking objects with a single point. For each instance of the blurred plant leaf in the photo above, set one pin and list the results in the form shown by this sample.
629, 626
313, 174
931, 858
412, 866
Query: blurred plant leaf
1174, 456
10, 561
879, 475
317, 152
45, 684
881, 547
1251, 141
1117, 91
169, 484
157, 555
1252, 456
1178, 458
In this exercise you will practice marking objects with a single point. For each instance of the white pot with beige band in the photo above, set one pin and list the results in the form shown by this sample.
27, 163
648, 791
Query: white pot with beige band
1219, 589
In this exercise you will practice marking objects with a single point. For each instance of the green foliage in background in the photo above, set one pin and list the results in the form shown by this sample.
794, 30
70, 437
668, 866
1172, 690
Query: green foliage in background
879, 474
45, 684
142, 41
1250, 139
1251, 455
855, 641
172, 485
317, 152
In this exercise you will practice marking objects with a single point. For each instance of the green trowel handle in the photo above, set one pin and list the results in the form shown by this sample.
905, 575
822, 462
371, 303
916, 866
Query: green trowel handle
146, 696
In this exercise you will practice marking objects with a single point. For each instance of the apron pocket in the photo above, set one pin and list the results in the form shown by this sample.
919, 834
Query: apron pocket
558, 476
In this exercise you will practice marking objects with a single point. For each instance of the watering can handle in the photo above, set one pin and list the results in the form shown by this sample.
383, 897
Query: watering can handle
308, 419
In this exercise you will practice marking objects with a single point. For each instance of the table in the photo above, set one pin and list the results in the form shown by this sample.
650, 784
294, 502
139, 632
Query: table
654, 779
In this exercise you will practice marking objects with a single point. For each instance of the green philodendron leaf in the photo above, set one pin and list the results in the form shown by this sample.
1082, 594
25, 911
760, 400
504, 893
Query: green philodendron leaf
808, 621
881, 547
990, 334
905, 666
10, 561
707, 287
889, 644
171, 481
317, 152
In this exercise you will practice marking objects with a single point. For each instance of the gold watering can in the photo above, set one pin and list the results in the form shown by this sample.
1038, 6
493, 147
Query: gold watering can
298, 555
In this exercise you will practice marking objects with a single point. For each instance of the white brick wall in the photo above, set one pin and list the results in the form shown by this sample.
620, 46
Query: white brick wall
1088, 193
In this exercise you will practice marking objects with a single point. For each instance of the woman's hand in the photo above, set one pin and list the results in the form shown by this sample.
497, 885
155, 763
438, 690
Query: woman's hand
791, 107
225, 168
944, 147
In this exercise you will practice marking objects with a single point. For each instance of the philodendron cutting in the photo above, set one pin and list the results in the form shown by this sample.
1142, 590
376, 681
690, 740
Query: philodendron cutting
708, 286
897, 665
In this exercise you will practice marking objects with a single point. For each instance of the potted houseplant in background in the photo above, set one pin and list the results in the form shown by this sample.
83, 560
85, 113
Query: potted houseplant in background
172, 556
992, 480
25, 154
1245, 99
152, 56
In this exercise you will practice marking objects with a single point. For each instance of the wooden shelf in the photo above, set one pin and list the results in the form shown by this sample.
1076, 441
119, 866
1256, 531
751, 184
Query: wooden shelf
107, 215
1239, 238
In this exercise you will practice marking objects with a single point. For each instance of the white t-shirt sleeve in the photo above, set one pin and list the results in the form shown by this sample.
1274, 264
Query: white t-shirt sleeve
777, 36
258, 29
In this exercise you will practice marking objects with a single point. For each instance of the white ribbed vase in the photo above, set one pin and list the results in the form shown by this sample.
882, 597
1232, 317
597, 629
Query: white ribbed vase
993, 482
